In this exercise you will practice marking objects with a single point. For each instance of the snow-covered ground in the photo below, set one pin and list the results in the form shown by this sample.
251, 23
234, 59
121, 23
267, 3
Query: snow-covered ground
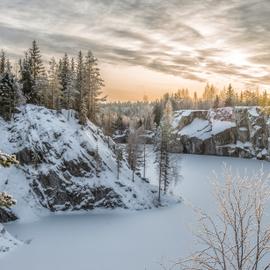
121, 239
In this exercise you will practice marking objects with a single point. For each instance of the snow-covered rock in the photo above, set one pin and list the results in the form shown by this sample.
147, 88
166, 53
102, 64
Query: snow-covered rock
238, 132
58, 168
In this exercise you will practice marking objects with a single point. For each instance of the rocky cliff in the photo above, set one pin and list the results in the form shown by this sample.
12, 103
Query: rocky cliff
237, 132
64, 166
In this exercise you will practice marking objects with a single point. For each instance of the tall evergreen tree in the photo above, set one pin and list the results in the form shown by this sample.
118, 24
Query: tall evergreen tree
66, 82
54, 85
10, 95
33, 75
230, 95
36, 64
93, 85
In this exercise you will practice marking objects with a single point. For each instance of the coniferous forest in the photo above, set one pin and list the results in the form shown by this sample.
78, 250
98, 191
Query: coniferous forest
66, 83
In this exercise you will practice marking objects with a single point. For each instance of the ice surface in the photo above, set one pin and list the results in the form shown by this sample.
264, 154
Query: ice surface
110, 240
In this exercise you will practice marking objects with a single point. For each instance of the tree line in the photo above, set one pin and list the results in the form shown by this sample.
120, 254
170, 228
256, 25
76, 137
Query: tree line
66, 83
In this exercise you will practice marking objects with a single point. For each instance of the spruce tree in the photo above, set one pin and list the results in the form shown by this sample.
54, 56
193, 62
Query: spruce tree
9, 95
67, 96
80, 81
26, 79
230, 95
36, 64
54, 85
33, 75
93, 86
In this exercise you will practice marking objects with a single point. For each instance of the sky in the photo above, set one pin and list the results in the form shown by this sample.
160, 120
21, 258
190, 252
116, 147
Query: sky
149, 47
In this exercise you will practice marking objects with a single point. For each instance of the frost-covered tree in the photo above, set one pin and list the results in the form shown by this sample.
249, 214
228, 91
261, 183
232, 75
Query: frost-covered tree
133, 151
163, 161
83, 112
238, 236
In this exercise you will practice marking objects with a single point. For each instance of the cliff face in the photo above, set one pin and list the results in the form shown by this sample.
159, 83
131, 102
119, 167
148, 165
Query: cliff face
236, 132
64, 166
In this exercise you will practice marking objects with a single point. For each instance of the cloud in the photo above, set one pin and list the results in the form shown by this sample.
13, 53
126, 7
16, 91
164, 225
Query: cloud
192, 39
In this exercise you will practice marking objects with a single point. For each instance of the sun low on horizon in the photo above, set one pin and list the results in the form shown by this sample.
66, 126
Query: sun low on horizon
149, 47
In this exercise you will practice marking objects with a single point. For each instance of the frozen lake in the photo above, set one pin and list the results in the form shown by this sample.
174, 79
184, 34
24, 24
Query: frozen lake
121, 240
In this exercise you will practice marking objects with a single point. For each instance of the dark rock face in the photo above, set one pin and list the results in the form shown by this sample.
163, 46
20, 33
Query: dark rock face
6, 215
237, 132
57, 194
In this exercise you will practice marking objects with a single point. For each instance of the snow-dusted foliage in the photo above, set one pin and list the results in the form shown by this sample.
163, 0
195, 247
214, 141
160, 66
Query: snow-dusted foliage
58, 165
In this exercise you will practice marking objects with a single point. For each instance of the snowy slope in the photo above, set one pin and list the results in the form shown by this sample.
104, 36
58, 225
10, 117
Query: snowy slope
57, 168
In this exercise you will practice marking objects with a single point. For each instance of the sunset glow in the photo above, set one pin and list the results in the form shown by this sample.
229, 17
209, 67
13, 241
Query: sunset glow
149, 47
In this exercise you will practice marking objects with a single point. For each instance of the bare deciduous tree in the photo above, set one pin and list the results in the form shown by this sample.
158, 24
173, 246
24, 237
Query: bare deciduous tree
238, 237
